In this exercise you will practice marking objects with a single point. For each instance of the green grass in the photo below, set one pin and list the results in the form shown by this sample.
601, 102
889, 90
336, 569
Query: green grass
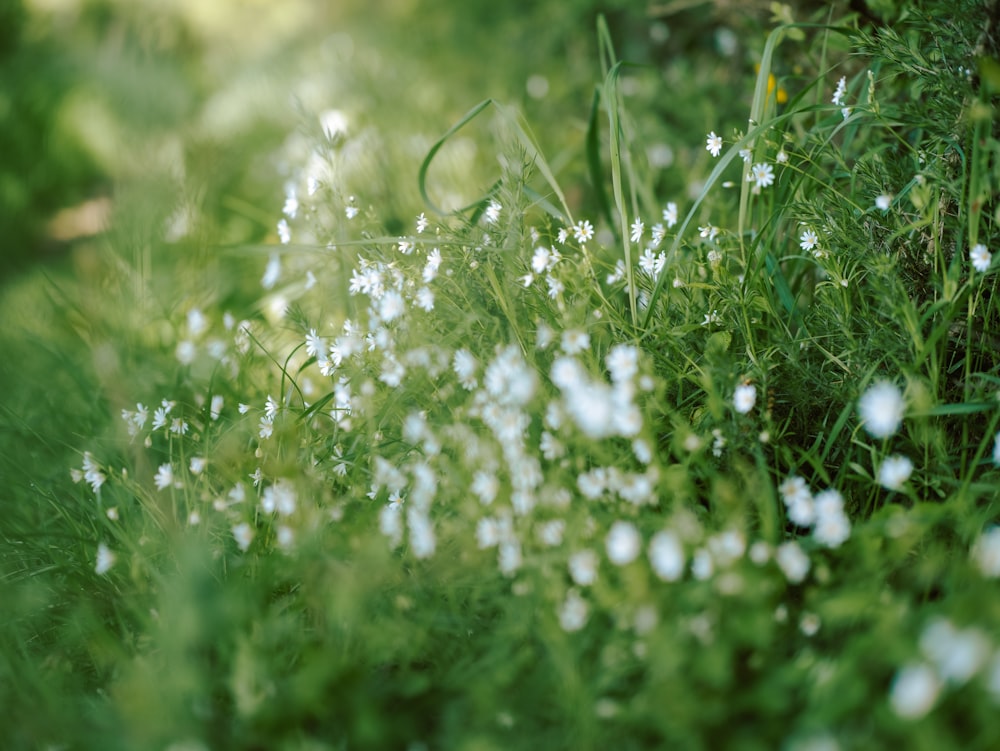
511, 473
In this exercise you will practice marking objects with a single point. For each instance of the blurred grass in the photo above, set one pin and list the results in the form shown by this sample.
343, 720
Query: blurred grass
178, 106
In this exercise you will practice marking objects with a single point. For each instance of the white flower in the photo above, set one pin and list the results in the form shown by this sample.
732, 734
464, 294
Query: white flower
832, 529
421, 223
792, 561
391, 306
883, 201
744, 398
986, 553
670, 214
956, 654
105, 559
575, 341
808, 240
198, 464
666, 555
422, 540
583, 567
465, 365
881, 409
623, 543
279, 497
838, 95
573, 613
272, 273
284, 233
981, 258
713, 144
243, 534
622, 362
636, 230
492, 213
762, 175
215, 407
583, 231
914, 691
895, 471
164, 477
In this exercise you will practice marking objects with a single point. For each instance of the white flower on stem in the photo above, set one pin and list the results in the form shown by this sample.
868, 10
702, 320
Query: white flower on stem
583, 567
636, 230
666, 555
670, 214
105, 559
573, 613
792, 561
986, 553
838, 95
713, 144
583, 231
808, 240
284, 232
762, 175
798, 501
894, 472
492, 213
272, 272
881, 408
914, 691
883, 201
243, 534
575, 341
623, 543
744, 398
164, 477
421, 223
981, 258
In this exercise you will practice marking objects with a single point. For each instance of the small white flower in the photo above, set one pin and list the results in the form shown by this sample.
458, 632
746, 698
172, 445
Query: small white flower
881, 409
914, 691
575, 341
670, 214
164, 477
583, 567
666, 555
838, 95
421, 223
883, 201
986, 553
744, 398
272, 273
981, 258
792, 561
623, 543
762, 175
492, 213
573, 613
105, 559
808, 240
243, 534
583, 231
198, 464
284, 232
636, 230
895, 471
713, 144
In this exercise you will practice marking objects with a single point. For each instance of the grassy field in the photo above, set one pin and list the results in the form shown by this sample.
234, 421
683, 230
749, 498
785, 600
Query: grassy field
639, 389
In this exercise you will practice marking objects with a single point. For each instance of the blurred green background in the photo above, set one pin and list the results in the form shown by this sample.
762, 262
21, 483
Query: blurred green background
184, 97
